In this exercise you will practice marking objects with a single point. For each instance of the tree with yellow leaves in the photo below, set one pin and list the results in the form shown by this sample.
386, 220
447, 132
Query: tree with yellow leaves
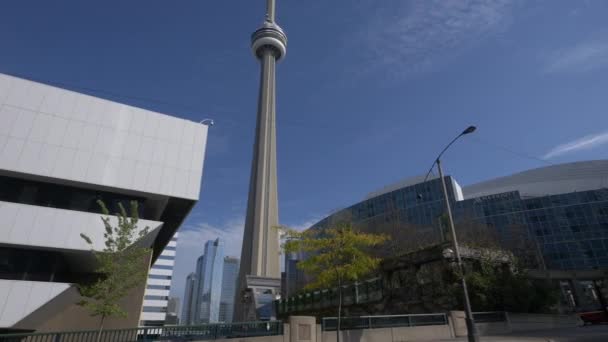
335, 255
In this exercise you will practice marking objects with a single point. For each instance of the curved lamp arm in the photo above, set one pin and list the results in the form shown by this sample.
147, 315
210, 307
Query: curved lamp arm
468, 130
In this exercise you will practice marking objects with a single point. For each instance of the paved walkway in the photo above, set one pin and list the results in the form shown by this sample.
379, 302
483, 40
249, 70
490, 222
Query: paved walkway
597, 333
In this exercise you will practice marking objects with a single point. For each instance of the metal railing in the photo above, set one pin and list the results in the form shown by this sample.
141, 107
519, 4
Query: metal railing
352, 294
171, 333
388, 321
489, 317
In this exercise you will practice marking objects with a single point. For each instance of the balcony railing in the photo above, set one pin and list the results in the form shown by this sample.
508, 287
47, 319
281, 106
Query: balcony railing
489, 317
391, 321
171, 333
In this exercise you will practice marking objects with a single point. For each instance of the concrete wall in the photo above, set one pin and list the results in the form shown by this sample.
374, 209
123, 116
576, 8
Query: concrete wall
62, 313
456, 327
20, 298
302, 329
422, 333
279, 338
523, 322
459, 328
457, 322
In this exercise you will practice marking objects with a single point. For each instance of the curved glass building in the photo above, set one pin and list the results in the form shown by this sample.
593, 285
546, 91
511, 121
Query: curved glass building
561, 211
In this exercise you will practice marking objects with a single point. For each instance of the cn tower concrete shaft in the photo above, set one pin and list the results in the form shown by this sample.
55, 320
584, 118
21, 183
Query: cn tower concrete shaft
259, 274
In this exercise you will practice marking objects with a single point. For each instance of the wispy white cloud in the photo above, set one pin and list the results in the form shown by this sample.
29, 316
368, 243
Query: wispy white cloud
582, 57
421, 35
305, 224
584, 143
231, 231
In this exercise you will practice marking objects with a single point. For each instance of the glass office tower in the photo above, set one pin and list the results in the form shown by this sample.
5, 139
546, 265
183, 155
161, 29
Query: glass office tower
209, 269
294, 277
189, 306
231, 272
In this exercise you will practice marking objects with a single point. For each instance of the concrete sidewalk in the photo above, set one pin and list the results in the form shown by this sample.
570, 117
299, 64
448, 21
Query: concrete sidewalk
598, 333
502, 339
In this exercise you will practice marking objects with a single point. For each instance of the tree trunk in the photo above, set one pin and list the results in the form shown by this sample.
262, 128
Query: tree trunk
103, 317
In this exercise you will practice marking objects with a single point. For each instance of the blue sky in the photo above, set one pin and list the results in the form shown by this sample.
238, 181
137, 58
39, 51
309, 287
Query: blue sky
368, 93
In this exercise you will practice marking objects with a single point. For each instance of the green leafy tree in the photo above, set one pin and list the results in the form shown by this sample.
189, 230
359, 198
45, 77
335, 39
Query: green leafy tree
497, 281
336, 255
495, 287
120, 265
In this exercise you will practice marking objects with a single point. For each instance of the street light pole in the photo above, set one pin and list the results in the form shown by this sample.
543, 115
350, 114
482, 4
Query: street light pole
470, 321
473, 335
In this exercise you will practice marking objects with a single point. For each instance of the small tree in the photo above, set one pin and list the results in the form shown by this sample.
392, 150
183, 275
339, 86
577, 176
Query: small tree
120, 265
337, 254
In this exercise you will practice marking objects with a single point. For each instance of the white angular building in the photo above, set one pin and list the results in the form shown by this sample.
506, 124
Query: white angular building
60, 151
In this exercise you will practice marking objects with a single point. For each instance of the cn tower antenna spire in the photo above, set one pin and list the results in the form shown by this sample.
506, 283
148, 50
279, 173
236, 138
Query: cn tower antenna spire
270, 10
259, 274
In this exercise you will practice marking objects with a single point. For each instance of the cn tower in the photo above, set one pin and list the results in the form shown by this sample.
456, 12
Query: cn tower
259, 274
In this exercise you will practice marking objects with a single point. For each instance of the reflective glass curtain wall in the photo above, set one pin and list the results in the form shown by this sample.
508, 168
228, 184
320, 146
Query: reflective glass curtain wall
569, 230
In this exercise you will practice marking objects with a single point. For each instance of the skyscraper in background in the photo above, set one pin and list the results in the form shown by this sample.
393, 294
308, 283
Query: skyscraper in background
209, 270
294, 277
154, 311
189, 306
210, 292
231, 272
172, 310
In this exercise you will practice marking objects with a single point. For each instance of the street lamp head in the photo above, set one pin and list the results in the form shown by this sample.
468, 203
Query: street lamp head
208, 122
469, 129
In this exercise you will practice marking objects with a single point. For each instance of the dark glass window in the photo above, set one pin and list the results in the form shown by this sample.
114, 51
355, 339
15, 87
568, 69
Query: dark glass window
163, 267
157, 276
35, 265
166, 257
156, 297
37, 193
155, 309
152, 323
533, 204
158, 287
